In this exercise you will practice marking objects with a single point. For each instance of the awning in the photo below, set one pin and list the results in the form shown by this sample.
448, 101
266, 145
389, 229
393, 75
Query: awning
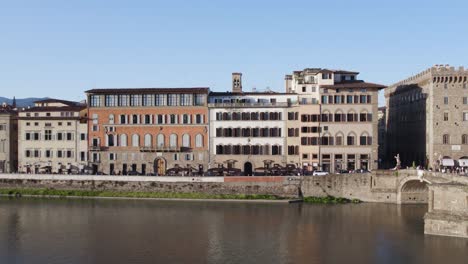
448, 162
463, 162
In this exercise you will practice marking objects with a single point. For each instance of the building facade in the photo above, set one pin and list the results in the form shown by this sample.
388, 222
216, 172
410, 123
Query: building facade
427, 118
148, 131
8, 139
249, 130
338, 115
52, 137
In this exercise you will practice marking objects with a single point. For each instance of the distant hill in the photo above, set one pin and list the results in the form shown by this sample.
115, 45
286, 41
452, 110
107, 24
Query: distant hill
25, 102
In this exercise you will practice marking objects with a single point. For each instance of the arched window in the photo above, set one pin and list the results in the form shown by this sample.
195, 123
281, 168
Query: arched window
351, 139
173, 119
135, 119
446, 139
135, 140
123, 140
246, 150
199, 141
199, 119
228, 149
148, 140
110, 141
365, 139
173, 141
111, 119
186, 119
160, 141
186, 141
465, 139
339, 139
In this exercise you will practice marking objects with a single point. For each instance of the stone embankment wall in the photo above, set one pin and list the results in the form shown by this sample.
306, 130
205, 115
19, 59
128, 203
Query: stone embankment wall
402, 186
448, 210
279, 186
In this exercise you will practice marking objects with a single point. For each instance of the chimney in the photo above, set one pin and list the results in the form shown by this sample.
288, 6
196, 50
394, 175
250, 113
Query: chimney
237, 82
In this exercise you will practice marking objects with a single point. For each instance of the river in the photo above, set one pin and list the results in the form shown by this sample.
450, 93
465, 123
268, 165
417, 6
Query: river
144, 231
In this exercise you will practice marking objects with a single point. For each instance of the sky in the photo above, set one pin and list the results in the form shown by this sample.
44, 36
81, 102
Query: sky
60, 49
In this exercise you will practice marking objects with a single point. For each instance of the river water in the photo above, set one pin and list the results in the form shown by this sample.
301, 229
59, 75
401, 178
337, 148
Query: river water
144, 231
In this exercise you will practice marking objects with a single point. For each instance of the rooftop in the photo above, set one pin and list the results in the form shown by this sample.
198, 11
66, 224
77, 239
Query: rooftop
354, 84
204, 90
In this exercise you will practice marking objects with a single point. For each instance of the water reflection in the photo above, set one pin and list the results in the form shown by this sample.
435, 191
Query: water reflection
118, 231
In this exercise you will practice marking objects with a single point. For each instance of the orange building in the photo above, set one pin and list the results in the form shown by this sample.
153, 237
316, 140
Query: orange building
148, 131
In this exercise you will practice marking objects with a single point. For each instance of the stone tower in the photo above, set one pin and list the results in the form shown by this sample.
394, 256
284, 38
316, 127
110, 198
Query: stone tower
236, 82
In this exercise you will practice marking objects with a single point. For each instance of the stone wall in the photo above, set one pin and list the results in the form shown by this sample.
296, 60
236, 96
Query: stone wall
448, 210
280, 186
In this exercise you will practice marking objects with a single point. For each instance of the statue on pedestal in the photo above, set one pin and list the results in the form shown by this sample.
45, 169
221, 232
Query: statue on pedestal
398, 162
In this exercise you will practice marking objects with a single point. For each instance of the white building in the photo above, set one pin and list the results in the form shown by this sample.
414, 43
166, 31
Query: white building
52, 137
248, 130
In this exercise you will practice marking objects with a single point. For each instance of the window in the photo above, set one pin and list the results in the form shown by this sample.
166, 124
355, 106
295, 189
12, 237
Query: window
446, 116
124, 100
172, 100
148, 100
303, 89
112, 156
111, 100
186, 99
465, 100
147, 119
48, 153
135, 100
199, 141
95, 101
69, 154
160, 140
339, 140
465, 139
160, 100
69, 136
110, 141
148, 140
48, 135
186, 141
199, 119
135, 119
123, 140
189, 156
350, 140
173, 141
446, 100
199, 99
186, 119
160, 119
135, 140
465, 116
446, 139
173, 119
59, 154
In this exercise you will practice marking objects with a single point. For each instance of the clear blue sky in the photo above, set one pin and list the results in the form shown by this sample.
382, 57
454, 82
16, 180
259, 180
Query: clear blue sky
60, 48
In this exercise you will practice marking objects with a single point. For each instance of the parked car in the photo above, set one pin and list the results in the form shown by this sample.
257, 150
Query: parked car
320, 173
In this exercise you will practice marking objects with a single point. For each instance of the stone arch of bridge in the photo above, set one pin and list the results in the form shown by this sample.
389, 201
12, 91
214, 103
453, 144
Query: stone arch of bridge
411, 190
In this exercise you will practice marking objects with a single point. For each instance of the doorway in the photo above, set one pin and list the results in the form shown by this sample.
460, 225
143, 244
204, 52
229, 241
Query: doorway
248, 169
160, 166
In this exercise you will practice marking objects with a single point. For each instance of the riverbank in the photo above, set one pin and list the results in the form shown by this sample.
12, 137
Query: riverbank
121, 194
52, 193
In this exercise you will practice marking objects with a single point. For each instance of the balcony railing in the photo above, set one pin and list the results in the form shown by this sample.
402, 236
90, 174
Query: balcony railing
165, 149
98, 148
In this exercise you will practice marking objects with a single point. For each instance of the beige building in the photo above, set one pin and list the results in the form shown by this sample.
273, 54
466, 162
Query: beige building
52, 137
338, 115
8, 139
427, 118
